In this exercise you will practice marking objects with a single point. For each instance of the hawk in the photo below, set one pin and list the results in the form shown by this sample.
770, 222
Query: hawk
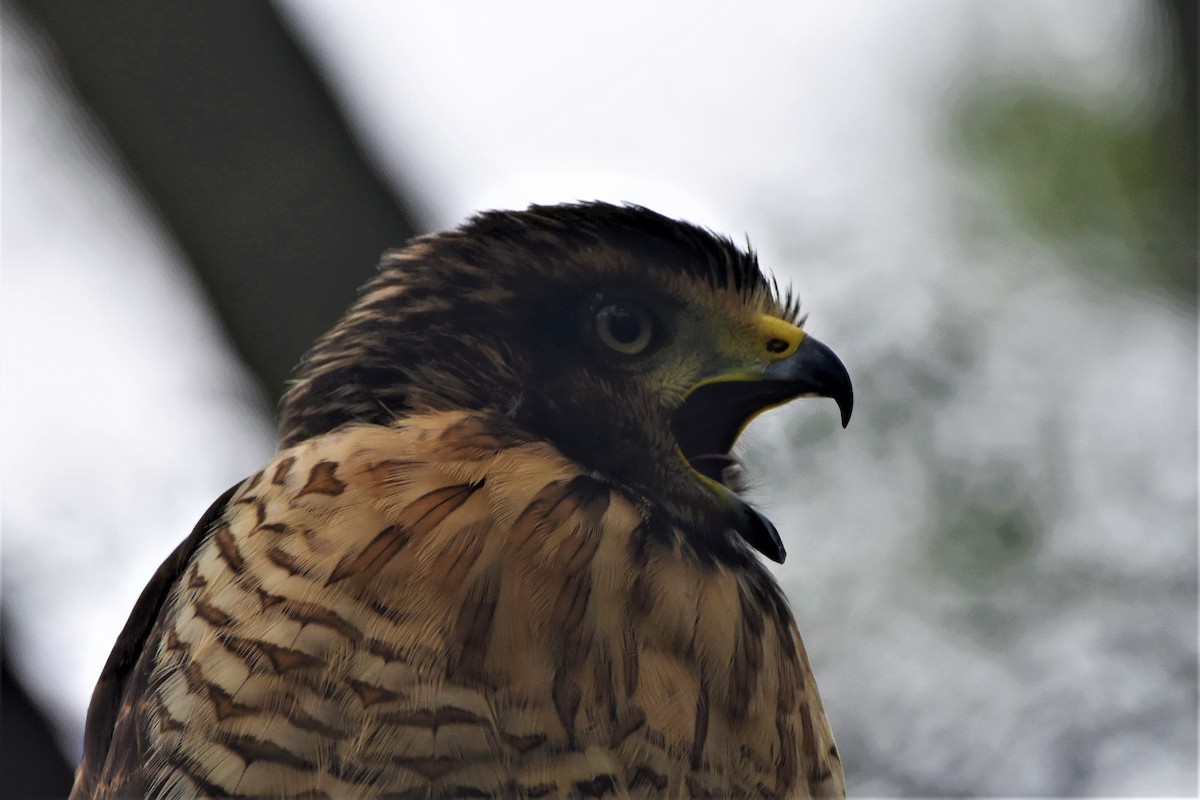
500, 552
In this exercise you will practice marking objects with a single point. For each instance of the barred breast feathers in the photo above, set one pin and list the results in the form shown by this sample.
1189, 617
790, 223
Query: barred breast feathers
445, 605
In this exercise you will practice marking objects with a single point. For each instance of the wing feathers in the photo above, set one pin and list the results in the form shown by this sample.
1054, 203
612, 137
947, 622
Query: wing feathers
109, 695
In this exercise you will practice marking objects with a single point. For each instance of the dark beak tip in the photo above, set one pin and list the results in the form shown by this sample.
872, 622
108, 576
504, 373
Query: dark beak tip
816, 370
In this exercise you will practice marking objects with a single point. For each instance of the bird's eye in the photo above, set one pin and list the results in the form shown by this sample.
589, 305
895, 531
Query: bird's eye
624, 327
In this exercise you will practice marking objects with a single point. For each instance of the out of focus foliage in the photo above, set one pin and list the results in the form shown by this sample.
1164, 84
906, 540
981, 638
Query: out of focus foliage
1107, 183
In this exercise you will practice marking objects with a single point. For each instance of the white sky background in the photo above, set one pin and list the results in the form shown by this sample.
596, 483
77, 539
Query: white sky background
815, 129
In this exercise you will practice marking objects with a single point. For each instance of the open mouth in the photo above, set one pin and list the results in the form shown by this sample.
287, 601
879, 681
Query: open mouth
712, 416
710, 419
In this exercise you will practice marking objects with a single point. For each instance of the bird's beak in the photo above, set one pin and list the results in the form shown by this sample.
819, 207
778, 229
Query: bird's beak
814, 370
716, 411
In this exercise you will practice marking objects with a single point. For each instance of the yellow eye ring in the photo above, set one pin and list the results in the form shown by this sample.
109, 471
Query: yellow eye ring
625, 327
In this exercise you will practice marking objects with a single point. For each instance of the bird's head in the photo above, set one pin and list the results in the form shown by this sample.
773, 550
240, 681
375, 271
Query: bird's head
638, 345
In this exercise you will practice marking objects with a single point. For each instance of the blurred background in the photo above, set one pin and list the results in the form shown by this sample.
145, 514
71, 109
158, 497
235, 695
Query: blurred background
989, 210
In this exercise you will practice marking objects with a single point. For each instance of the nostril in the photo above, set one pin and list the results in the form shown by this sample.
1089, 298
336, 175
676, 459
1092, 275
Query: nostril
777, 345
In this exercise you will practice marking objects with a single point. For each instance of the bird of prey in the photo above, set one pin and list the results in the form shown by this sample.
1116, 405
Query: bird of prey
498, 553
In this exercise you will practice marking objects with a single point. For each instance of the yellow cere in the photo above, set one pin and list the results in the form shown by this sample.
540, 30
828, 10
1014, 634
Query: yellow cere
778, 338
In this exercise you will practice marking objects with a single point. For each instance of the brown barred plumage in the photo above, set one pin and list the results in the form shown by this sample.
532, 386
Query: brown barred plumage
446, 604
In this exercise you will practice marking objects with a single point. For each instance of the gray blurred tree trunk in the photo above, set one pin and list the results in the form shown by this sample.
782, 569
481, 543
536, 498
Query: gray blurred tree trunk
234, 139
1183, 20
31, 765
231, 136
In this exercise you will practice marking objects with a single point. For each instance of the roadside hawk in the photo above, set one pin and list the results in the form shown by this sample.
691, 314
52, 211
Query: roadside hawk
499, 552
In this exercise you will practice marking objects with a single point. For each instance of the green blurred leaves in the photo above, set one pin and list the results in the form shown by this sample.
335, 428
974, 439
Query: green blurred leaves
1115, 188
